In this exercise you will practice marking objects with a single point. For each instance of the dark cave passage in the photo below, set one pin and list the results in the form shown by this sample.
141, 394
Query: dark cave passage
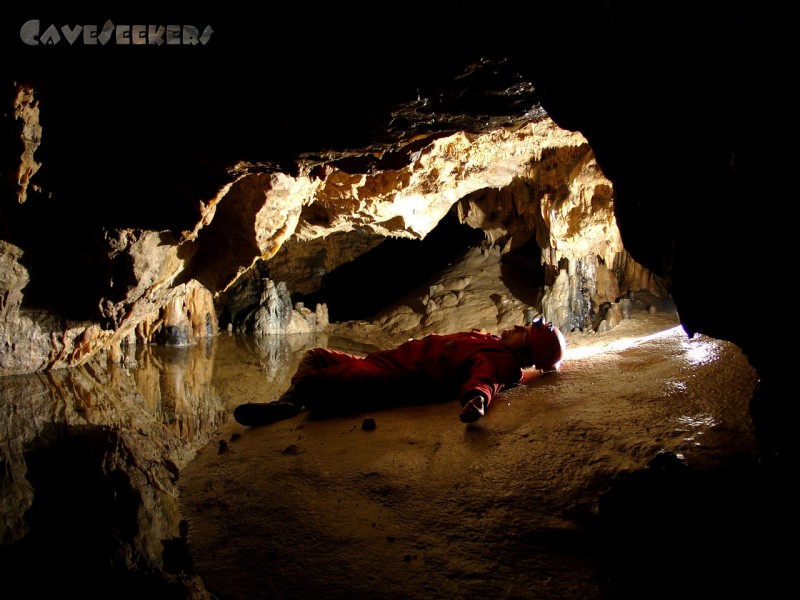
524, 274
361, 288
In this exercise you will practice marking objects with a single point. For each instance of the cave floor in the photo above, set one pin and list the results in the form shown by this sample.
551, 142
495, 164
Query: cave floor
633, 472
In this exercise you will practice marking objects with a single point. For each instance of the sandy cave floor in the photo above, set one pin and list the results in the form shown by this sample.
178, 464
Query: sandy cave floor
548, 496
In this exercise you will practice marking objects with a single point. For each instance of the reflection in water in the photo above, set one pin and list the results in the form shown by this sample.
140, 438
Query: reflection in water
90, 456
90, 459
245, 363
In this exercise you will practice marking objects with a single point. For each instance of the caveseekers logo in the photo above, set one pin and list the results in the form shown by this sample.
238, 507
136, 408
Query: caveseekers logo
32, 34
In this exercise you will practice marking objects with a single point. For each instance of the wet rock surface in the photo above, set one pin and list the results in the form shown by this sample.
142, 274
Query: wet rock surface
633, 472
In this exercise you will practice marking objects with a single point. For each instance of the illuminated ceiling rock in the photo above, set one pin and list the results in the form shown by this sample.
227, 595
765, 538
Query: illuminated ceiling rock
411, 200
261, 211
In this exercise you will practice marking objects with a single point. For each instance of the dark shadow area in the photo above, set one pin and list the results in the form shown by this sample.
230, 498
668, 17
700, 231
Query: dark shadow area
67, 255
668, 531
523, 274
362, 287
83, 525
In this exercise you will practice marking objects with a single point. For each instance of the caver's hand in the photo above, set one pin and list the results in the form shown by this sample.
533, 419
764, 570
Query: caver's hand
473, 409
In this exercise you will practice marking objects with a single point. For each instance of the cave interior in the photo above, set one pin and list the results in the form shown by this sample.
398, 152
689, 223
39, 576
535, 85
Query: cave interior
603, 149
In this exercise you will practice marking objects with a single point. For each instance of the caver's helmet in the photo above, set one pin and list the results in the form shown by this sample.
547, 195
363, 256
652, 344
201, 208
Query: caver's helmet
547, 344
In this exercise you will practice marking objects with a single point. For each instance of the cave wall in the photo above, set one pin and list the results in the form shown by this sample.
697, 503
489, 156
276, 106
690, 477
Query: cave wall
152, 281
560, 201
679, 102
704, 81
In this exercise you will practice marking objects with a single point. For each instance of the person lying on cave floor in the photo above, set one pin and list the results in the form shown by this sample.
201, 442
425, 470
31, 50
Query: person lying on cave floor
471, 367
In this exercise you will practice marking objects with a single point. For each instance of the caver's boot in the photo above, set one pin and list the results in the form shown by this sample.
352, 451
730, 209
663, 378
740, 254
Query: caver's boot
253, 414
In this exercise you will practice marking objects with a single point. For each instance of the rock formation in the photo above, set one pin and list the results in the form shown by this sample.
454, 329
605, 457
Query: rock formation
637, 147
278, 315
120, 198
533, 180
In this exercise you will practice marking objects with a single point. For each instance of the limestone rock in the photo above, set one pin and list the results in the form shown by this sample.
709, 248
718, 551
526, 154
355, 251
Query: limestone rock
277, 315
26, 112
517, 178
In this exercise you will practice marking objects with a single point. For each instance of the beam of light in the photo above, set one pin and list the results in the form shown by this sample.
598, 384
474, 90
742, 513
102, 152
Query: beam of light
618, 345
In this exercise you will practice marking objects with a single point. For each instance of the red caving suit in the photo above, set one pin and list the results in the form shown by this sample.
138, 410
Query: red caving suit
436, 368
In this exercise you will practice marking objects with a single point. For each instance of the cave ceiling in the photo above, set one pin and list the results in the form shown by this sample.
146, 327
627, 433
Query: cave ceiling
132, 171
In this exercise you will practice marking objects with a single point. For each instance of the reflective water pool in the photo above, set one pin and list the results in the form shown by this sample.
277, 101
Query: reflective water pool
90, 458
99, 464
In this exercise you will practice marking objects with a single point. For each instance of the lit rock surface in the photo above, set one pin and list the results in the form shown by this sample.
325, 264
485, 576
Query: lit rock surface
548, 496
542, 179
132, 175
